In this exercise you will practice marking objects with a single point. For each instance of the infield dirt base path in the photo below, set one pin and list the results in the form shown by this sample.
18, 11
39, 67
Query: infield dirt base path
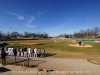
68, 66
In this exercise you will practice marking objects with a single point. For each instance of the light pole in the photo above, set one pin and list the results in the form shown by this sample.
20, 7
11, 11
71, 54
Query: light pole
10, 31
87, 27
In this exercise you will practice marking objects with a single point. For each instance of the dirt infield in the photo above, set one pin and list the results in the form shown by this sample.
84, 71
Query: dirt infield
32, 42
77, 45
29, 43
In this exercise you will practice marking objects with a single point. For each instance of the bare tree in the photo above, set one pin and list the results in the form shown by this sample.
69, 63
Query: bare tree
96, 31
14, 34
1, 34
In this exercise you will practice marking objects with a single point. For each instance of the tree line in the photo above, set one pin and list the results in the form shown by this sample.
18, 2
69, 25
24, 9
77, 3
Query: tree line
88, 33
16, 35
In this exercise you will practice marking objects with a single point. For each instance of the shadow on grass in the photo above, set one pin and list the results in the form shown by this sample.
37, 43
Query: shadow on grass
3, 69
4, 44
50, 54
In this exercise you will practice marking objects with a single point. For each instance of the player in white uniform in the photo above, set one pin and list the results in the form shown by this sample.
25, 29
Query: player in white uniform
12, 53
21, 51
35, 52
9, 51
18, 51
29, 52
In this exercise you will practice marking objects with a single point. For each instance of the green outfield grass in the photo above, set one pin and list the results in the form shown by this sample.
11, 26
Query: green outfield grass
59, 46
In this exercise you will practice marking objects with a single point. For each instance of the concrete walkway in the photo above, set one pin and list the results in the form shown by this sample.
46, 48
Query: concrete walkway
55, 66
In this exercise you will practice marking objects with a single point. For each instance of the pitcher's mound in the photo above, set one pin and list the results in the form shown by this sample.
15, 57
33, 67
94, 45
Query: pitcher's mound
77, 45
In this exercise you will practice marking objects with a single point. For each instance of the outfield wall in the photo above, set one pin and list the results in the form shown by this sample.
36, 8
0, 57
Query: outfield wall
85, 40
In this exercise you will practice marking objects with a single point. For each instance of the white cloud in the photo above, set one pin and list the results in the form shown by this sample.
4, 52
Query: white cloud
30, 21
40, 13
20, 17
31, 26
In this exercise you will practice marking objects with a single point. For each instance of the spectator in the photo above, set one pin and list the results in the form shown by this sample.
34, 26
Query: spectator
3, 56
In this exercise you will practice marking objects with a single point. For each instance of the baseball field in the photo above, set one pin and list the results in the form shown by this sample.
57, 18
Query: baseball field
63, 49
